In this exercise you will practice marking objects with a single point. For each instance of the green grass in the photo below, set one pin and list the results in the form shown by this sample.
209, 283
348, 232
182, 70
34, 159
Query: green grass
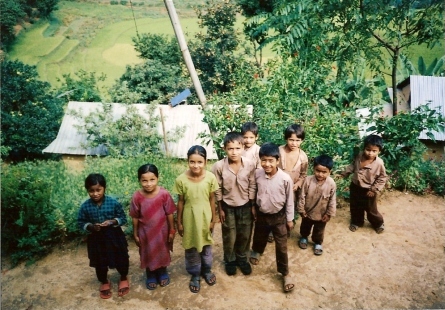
97, 37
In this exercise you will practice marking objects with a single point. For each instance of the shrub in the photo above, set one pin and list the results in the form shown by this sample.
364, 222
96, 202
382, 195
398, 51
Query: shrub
123, 2
114, 2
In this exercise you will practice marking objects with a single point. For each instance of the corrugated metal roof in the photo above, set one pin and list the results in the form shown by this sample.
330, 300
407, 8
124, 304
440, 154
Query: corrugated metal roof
428, 90
70, 141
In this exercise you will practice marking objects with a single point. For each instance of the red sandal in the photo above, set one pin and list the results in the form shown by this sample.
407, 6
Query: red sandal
105, 290
124, 288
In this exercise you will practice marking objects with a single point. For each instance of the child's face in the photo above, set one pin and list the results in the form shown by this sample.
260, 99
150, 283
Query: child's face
249, 139
197, 164
234, 151
321, 173
371, 151
293, 142
269, 164
148, 182
96, 193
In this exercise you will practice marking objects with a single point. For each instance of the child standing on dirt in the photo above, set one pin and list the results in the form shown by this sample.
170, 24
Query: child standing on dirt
196, 216
249, 131
152, 209
101, 216
274, 211
293, 160
236, 194
317, 203
368, 179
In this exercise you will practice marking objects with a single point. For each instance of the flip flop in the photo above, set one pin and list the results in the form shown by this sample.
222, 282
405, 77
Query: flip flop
318, 249
163, 277
288, 284
380, 229
254, 258
151, 283
208, 277
105, 290
124, 288
302, 243
353, 227
195, 284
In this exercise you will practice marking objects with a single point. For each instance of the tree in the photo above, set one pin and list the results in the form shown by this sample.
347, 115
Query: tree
11, 12
217, 52
31, 113
342, 29
158, 47
84, 88
150, 81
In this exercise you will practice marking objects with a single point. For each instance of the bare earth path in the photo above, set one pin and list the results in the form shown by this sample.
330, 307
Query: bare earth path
402, 268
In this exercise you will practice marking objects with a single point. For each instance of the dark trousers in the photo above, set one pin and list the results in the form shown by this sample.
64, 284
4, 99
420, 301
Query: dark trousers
359, 203
275, 223
236, 232
102, 272
317, 232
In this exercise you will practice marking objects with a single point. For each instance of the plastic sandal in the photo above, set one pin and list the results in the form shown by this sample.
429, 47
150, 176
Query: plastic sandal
162, 277
302, 243
105, 290
288, 284
254, 258
195, 284
124, 288
208, 277
353, 227
318, 249
151, 283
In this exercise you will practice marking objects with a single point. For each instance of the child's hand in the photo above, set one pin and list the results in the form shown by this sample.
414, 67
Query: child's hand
290, 226
96, 227
254, 213
222, 215
180, 229
212, 225
295, 187
137, 241
106, 223
303, 214
370, 194
325, 218
171, 237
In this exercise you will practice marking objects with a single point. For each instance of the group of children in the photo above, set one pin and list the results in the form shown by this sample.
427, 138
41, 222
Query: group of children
254, 192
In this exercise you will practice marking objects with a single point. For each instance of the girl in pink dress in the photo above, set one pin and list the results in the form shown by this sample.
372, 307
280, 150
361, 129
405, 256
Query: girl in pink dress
152, 209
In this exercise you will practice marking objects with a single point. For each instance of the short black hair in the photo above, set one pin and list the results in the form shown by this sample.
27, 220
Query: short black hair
233, 136
324, 160
373, 140
270, 149
296, 129
148, 168
249, 126
197, 149
94, 179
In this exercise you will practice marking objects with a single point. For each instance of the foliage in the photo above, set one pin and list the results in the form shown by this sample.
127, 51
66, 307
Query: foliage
158, 47
403, 152
40, 200
217, 52
30, 225
132, 134
341, 29
435, 68
14, 10
151, 81
84, 88
434, 174
30, 113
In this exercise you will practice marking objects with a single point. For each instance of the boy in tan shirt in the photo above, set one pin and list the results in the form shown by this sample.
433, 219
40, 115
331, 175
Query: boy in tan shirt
249, 130
237, 188
317, 203
274, 211
368, 179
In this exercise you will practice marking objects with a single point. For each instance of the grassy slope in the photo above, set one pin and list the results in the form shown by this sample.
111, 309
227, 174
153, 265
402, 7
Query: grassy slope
98, 37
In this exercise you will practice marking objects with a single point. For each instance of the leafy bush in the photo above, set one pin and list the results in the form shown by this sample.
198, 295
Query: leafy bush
40, 200
123, 2
114, 2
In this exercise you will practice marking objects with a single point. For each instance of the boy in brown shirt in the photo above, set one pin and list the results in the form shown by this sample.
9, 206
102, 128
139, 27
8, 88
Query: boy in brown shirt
237, 188
368, 179
249, 130
317, 203
274, 211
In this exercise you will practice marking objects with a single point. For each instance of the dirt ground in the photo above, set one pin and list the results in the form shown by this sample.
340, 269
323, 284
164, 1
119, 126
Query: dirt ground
402, 268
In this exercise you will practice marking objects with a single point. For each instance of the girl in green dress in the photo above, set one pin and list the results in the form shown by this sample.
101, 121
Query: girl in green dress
196, 216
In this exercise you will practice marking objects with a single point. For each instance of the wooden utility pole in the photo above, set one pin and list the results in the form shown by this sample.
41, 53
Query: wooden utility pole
185, 51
